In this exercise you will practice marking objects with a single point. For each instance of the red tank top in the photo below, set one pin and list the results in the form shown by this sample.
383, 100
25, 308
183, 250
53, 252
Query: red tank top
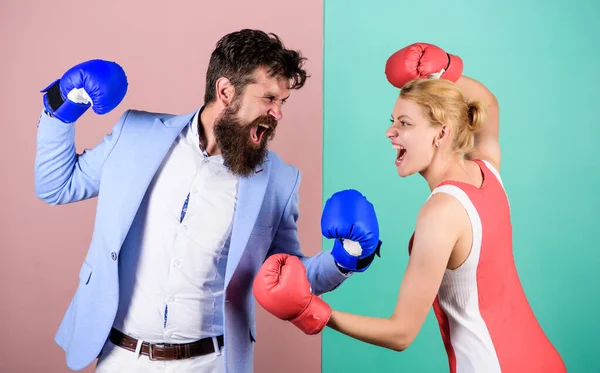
485, 319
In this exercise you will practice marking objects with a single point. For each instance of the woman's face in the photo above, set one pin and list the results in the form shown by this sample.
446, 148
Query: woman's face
412, 136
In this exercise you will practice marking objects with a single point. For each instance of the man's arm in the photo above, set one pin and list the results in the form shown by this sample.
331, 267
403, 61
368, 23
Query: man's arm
61, 175
323, 273
487, 145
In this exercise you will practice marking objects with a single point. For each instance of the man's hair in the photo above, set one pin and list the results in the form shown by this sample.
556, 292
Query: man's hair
238, 54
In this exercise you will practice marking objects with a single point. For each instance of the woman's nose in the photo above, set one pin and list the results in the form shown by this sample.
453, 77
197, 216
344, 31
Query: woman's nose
391, 132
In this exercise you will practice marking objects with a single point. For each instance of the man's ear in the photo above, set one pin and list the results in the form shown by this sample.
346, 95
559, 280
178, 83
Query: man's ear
225, 90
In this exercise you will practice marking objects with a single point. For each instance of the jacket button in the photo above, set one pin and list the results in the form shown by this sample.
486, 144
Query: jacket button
113, 255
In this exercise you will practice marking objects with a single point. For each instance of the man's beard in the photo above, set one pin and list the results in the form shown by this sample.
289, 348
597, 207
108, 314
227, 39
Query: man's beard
233, 138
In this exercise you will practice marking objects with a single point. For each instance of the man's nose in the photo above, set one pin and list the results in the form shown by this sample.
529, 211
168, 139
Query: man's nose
275, 112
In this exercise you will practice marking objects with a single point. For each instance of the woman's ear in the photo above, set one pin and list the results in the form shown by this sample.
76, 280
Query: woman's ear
443, 135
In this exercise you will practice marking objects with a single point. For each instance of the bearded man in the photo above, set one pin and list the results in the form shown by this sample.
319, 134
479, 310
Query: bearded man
189, 207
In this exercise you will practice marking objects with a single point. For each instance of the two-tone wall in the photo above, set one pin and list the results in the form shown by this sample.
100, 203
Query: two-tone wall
538, 57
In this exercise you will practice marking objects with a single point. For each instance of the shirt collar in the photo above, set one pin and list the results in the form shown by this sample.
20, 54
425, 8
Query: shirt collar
195, 133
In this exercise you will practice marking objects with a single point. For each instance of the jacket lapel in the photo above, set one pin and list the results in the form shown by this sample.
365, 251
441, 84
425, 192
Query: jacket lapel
250, 198
153, 144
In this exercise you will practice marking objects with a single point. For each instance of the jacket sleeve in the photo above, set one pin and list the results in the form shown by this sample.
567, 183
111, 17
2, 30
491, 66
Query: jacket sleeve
61, 175
322, 271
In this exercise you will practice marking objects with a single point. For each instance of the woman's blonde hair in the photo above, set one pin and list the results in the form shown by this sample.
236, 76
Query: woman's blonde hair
442, 103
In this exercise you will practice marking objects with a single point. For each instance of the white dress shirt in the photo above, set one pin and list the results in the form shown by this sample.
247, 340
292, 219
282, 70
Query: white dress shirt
172, 276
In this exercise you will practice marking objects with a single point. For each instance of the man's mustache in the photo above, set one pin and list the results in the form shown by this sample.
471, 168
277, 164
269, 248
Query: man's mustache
267, 121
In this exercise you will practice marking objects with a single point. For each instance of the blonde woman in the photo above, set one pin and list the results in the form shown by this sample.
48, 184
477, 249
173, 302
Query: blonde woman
461, 260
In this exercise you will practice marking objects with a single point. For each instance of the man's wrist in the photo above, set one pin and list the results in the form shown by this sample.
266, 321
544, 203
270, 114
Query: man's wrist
342, 269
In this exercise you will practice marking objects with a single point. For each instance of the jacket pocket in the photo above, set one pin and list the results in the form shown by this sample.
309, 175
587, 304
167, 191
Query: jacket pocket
85, 274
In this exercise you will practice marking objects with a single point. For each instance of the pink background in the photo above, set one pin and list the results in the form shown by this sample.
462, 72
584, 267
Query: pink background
165, 51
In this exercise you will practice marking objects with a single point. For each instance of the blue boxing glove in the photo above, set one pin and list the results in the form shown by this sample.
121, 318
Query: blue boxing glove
350, 219
96, 83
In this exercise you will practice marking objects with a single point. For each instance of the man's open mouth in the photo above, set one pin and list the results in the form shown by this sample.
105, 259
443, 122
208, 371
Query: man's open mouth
257, 132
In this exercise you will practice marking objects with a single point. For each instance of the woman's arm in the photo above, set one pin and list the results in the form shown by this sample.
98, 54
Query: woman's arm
486, 140
437, 231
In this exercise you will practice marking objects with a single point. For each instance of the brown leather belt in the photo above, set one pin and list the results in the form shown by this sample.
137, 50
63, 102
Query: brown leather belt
166, 351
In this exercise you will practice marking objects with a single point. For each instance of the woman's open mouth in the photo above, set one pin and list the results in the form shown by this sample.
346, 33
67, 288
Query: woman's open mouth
401, 152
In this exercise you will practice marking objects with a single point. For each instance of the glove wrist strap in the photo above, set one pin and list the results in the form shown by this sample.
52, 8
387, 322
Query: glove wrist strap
63, 109
53, 96
364, 263
314, 317
454, 69
353, 263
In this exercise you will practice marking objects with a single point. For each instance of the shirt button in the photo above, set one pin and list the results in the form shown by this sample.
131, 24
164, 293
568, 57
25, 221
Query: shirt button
113, 255
172, 299
195, 190
184, 227
176, 263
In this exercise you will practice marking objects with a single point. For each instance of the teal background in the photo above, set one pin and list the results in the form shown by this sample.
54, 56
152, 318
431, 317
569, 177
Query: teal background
540, 59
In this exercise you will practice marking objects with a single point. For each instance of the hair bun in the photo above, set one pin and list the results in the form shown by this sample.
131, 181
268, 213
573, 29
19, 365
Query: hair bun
476, 115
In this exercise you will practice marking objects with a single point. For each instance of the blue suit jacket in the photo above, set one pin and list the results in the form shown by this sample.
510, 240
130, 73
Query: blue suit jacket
118, 171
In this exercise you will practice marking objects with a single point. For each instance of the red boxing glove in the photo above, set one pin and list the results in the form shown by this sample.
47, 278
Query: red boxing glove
421, 61
282, 288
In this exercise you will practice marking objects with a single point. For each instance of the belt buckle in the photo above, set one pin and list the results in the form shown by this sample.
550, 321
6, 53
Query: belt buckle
150, 345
